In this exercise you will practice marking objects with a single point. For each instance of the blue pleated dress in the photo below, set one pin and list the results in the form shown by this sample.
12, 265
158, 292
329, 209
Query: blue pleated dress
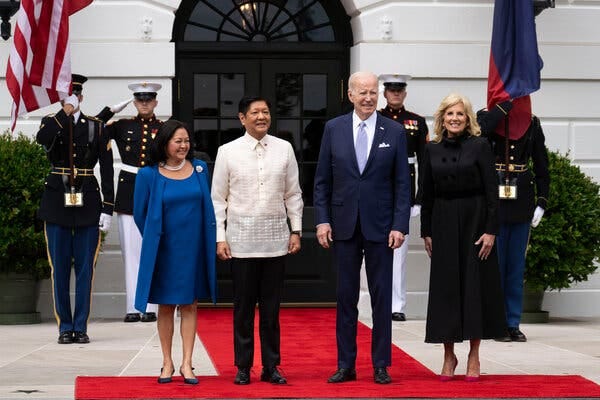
178, 259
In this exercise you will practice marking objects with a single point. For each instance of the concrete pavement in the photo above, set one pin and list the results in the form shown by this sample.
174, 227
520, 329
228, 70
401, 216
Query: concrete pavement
34, 366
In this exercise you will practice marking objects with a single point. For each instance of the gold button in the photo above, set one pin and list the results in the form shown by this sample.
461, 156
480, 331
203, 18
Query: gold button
143, 147
143, 156
145, 126
512, 146
129, 139
144, 140
145, 132
512, 158
143, 163
127, 148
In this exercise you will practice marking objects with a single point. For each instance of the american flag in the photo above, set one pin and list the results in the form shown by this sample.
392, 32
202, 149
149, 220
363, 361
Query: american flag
39, 66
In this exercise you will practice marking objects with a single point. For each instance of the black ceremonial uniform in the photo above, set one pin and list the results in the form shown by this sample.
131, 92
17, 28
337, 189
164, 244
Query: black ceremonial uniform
416, 138
71, 227
90, 146
133, 137
515, 215
529, 185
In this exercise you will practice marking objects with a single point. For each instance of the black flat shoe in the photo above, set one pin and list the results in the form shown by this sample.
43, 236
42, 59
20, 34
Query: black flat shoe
343, 375
516, 335
242, 377
398, 316
131, 317
81, 337
273, 376
148, 317
381, 376
167, 379
189, 381
65, 338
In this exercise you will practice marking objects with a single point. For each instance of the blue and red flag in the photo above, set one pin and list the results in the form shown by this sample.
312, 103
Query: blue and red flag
515, 63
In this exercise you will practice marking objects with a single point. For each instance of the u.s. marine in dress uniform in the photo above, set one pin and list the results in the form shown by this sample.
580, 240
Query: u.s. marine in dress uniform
523, 196
133, 137
72, 207
416, 137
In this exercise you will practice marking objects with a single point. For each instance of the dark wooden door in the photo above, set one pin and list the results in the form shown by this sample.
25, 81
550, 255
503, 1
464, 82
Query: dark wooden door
305, 93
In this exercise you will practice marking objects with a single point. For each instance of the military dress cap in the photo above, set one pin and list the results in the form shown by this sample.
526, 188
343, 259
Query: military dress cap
145, 90
394, 81
77, 82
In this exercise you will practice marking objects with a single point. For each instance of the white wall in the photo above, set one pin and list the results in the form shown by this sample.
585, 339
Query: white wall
443, 44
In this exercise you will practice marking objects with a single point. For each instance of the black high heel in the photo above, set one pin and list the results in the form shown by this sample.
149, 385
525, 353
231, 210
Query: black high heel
168, 379
189, 381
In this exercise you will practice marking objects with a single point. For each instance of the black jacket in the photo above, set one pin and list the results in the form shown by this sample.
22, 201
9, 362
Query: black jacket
530, 150
416, 137
90, 146
134, 137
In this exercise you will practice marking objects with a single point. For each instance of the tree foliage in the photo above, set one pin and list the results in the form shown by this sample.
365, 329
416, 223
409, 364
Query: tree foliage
23, 168
565, 247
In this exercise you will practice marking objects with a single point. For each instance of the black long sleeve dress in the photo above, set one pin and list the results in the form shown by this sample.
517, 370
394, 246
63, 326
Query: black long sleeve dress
460, 200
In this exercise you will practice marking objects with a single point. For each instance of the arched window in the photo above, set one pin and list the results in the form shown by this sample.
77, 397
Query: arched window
259, 21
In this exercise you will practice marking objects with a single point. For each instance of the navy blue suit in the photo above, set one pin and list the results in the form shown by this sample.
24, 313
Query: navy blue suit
362, 209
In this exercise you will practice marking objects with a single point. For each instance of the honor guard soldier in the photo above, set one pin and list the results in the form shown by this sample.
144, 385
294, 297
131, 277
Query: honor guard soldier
72, 207
416, 137
134, 137
523, 197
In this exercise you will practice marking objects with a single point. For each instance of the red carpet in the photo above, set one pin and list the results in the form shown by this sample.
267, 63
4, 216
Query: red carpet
309, 357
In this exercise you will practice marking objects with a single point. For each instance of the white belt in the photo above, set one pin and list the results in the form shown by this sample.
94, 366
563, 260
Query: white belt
129, 168
412, 160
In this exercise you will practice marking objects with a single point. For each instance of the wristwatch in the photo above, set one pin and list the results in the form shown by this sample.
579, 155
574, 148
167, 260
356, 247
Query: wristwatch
299, 233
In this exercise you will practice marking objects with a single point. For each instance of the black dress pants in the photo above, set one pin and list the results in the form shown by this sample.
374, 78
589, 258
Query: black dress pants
257, 280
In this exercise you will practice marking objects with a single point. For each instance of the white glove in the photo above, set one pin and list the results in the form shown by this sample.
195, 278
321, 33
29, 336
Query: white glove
415, 210
537, 216
117, 108
105, 221
72, 100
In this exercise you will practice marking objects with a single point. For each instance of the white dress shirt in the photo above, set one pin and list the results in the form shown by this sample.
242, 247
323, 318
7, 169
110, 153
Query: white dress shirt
255, 189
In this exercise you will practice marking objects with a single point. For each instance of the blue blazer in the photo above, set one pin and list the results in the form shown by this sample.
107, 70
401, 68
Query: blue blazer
380, 196
147, 213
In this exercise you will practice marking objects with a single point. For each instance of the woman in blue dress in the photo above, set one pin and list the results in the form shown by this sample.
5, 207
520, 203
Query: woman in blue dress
174, 213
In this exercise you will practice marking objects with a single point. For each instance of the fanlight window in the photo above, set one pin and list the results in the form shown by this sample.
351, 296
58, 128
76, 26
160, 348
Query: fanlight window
259, 21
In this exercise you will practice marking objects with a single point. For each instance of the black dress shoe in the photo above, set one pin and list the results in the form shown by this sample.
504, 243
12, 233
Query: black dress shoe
242, 377
148, 317
380, 375
273, 376
343, 375
398, 316
65, 338
131, 317
516, 335
81, 337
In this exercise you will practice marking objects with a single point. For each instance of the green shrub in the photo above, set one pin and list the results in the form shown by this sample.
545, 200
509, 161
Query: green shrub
564, 247
23, 168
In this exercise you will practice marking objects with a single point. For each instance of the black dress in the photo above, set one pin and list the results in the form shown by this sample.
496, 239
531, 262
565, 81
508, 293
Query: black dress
460, 199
